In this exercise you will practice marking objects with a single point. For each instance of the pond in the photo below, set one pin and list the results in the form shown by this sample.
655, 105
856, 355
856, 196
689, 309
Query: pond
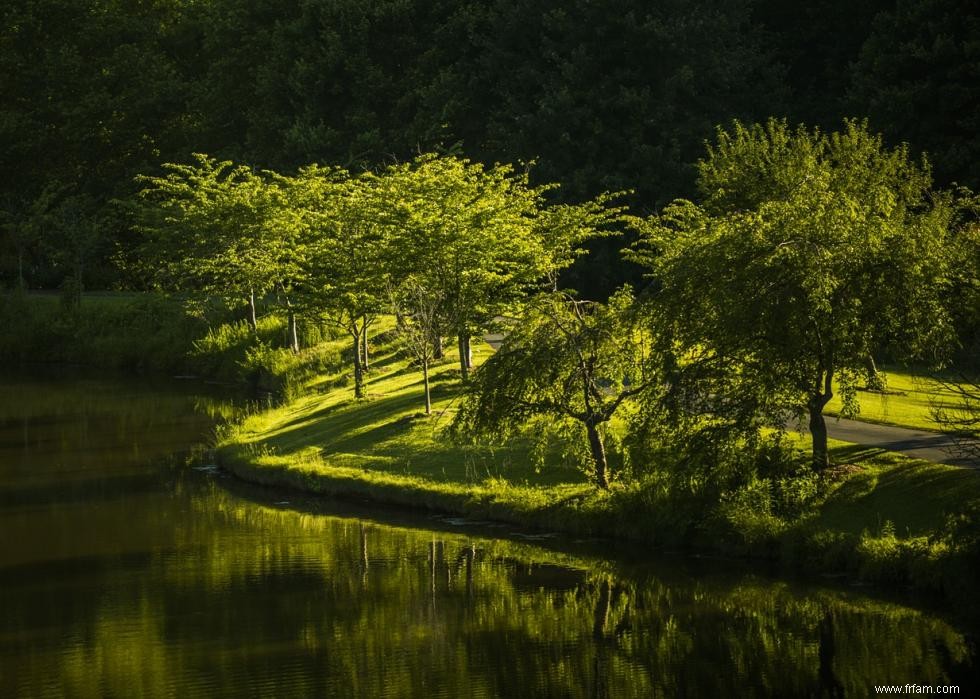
127, 570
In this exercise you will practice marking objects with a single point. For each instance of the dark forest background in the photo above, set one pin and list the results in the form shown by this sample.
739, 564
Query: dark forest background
612, 95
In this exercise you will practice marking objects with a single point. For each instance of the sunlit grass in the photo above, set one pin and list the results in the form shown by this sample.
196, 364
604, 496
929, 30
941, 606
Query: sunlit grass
909, 400
386, 441
915, 495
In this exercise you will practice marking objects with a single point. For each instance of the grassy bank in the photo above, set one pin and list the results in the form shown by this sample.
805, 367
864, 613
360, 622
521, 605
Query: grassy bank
882, 517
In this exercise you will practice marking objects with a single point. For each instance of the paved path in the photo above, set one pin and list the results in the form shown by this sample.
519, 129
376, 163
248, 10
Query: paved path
920, 444
932, 446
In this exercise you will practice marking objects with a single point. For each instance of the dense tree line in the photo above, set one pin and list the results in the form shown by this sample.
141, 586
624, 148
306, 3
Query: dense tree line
604, 96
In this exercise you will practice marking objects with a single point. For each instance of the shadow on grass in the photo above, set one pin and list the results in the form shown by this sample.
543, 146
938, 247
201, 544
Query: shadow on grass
342, 427
916, 498
391, 434
854, 453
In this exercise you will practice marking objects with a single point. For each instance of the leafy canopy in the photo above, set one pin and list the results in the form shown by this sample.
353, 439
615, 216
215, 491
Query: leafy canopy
810, 253
574, 362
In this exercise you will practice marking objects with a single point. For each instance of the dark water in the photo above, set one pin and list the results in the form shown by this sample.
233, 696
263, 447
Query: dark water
127, 572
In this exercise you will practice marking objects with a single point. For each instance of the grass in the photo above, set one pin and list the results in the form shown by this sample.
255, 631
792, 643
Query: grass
889, 518
156, 333
915, 496
908, 401
386, 439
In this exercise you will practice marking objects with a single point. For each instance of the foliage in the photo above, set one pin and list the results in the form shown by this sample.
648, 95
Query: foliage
604, 98
140, 332
379, 449
570, 360
216, 228
810, 253
915, 78
345, 263
416, 308
464, 232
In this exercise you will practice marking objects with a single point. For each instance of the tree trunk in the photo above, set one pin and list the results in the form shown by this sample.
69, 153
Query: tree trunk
425, 384
364, 548
364, 342
600, 616
598, 455
438, 352
292, 334
358, 369
829, 683
252, 317
818, 431
469, 352
464, 366
469, 554
875, 381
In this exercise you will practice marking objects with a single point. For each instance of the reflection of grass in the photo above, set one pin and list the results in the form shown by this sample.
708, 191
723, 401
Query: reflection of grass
908, 401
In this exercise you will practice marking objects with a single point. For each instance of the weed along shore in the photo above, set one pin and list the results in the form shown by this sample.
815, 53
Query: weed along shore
877, 517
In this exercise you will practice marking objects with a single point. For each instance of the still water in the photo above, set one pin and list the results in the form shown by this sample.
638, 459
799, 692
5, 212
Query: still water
127, 571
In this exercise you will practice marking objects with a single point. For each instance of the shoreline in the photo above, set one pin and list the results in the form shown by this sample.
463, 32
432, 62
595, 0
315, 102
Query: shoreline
808, 551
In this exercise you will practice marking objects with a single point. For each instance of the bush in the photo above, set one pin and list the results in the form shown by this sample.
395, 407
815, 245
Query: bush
139, 332
155, 332
223, 351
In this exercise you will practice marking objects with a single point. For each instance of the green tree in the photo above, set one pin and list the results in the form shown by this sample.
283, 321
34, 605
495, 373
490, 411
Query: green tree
466, 233
482, 239
416, 308
575, 362
963, 417
92, 94
212, 226
809, 253
347, 259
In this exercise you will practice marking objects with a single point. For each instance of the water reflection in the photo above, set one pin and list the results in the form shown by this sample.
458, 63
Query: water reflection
176, 582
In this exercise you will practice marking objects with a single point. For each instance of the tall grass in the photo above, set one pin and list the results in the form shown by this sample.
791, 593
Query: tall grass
155, 333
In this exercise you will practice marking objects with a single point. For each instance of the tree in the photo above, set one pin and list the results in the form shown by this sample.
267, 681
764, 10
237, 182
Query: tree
466, 233
26, 225
416, 308
92, 94
572, 361
810, 253
916, 78
481, 238
345, 268
962, 418
212, 226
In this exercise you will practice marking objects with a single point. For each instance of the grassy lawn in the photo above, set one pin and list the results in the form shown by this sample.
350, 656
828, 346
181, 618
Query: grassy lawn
328, 441
908, 401
915, 496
